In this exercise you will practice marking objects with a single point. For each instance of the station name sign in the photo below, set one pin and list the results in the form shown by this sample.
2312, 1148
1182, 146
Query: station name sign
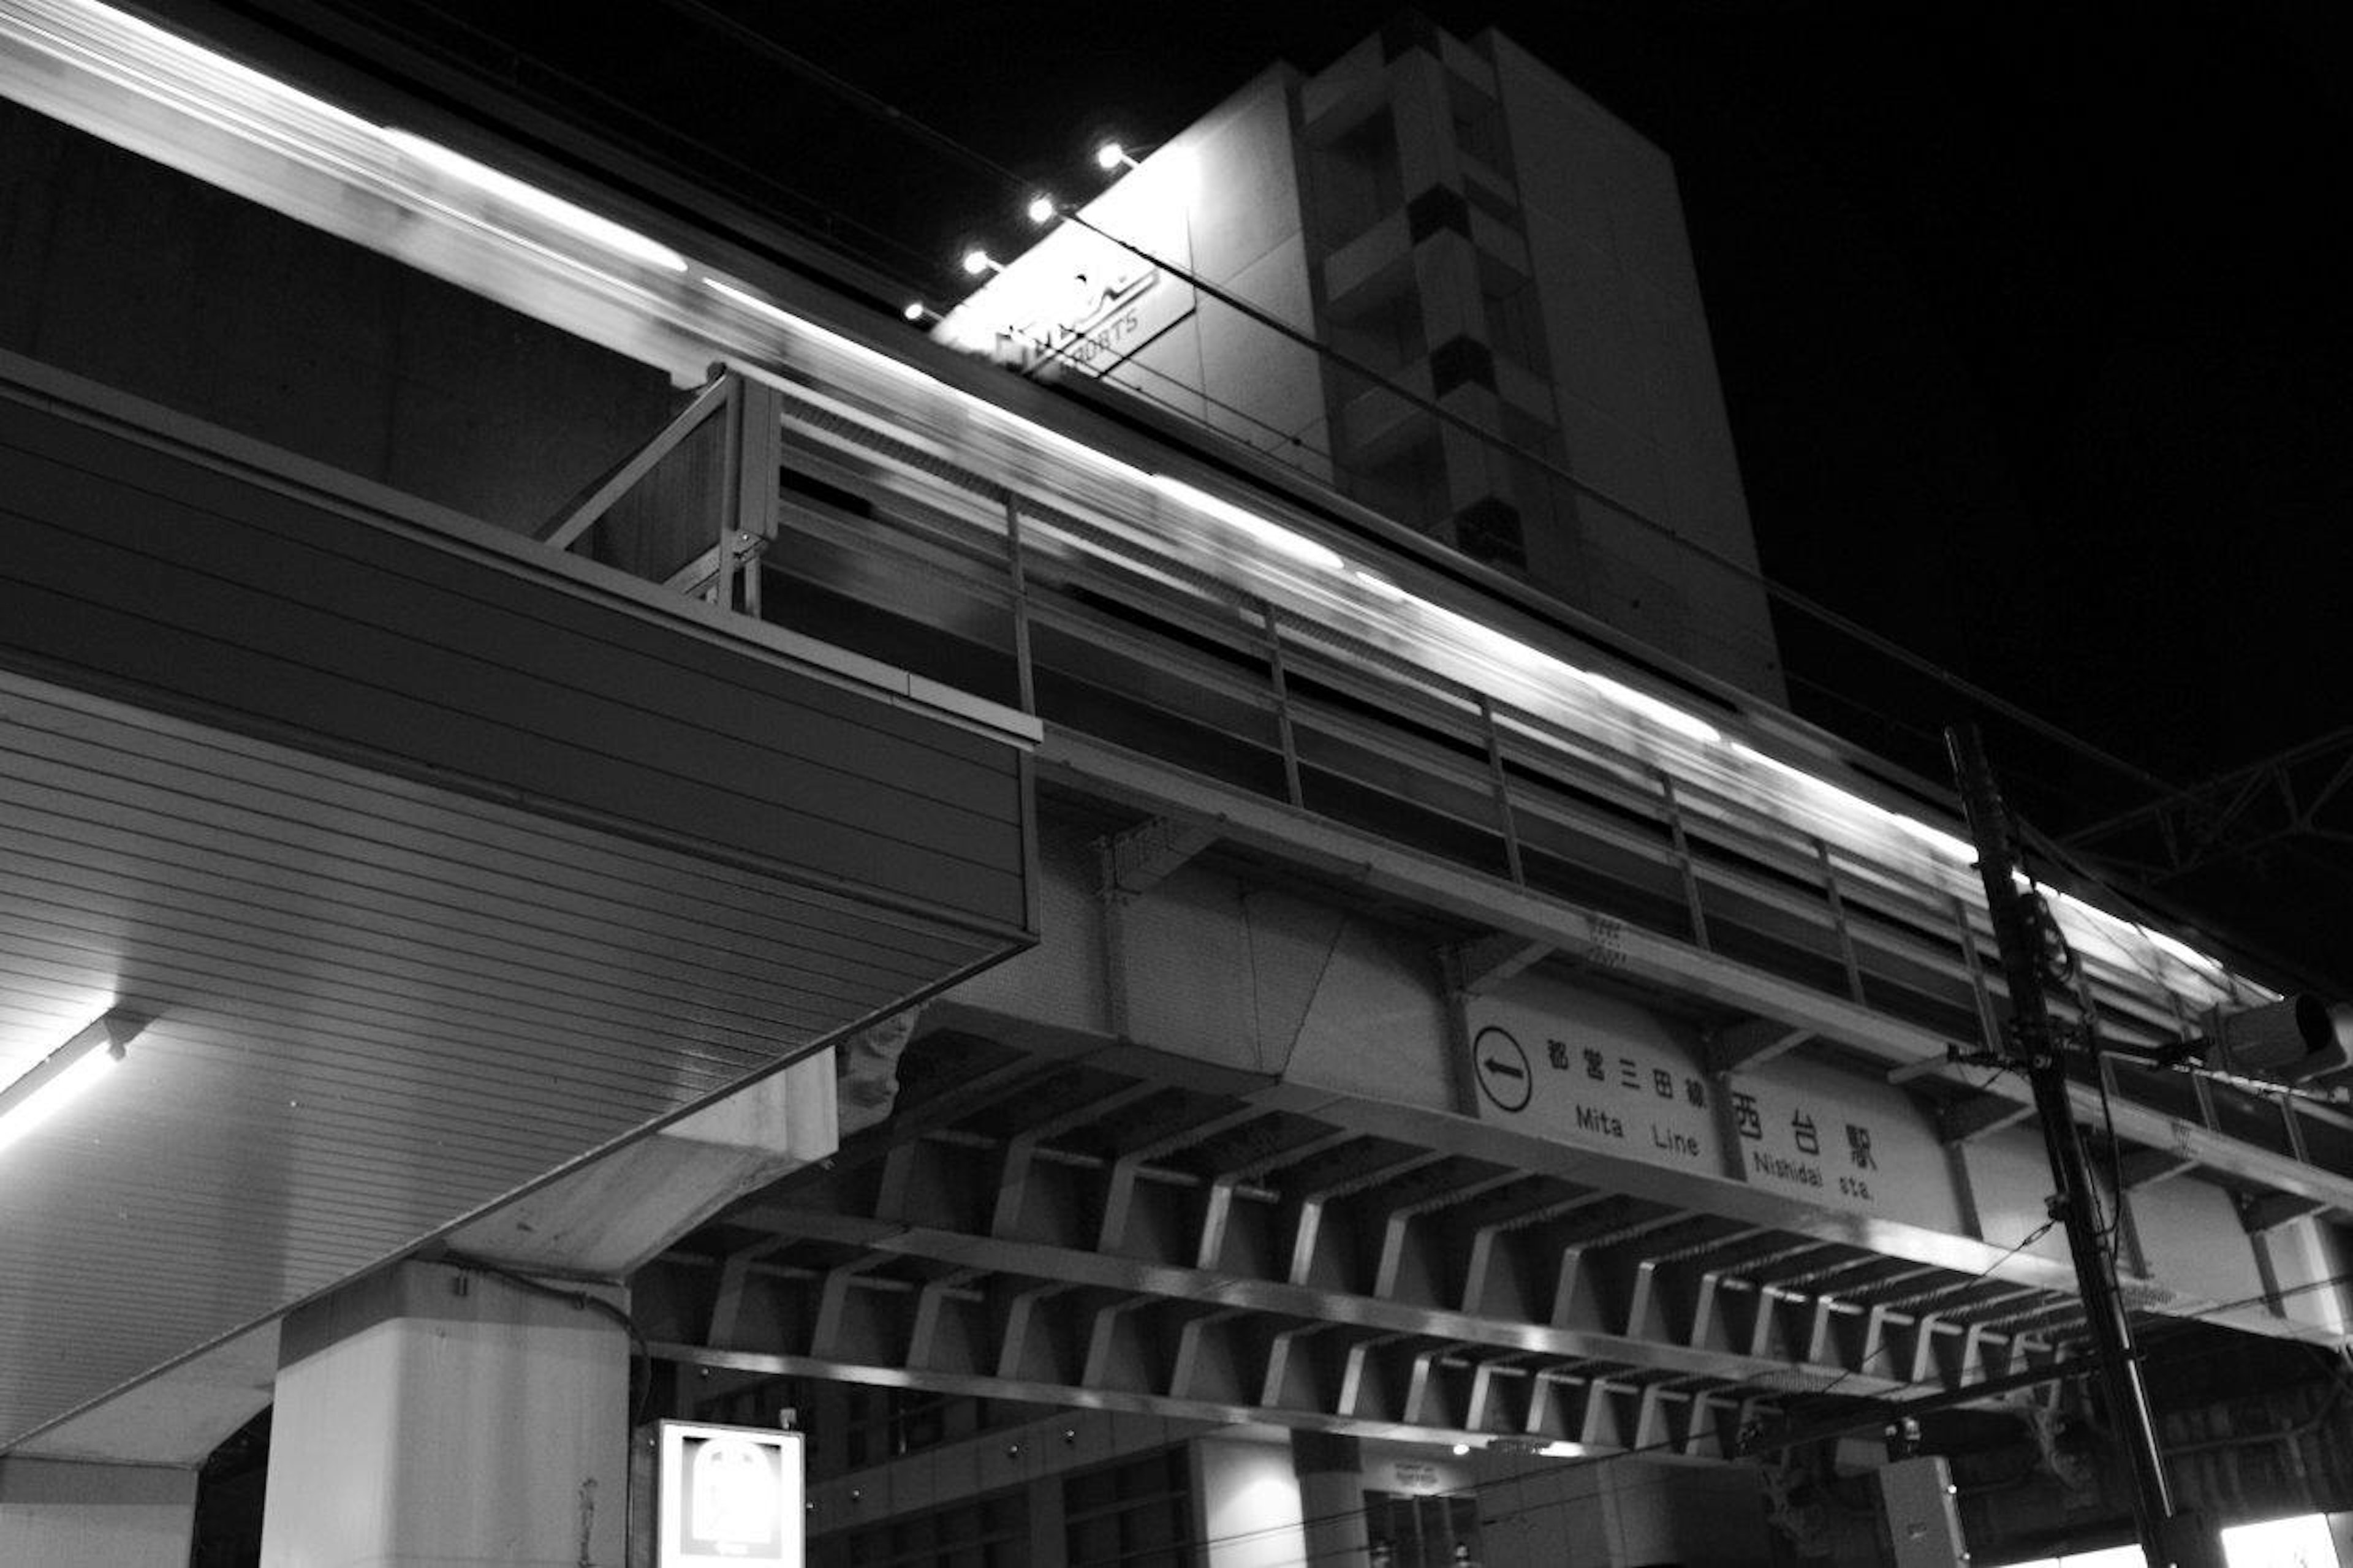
1604, 1074
1095, 316
1088, 295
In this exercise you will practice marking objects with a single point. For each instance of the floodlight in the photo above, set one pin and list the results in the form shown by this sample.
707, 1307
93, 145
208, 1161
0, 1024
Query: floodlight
977, 261
2297, 1037
1041, 208
1112, 155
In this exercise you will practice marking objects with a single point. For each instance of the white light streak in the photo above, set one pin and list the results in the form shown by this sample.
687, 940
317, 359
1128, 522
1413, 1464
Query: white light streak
758, 306
137, 62
1298, 546
531, 199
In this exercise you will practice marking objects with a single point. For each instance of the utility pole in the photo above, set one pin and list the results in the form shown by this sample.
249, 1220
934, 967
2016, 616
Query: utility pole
2028, 941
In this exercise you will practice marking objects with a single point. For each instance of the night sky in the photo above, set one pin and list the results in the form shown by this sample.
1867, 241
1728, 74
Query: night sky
2033, 324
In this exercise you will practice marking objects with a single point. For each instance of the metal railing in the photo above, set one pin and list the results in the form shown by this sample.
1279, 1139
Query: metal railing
912, 533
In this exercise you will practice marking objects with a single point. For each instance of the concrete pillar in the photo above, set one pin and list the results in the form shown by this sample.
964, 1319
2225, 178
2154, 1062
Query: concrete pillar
431, 1415
64, 1513
1331, 1471
1248, 1491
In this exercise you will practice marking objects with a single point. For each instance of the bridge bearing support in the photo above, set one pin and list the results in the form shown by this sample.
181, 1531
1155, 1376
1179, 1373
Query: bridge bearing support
432, 1415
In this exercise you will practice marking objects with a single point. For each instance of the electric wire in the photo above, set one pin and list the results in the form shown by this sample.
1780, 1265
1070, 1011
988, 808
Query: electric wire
1477, 1488
867, 102
583, 1300
753, 40
2152, 1352
2031, 1236
806, 208
641, 1353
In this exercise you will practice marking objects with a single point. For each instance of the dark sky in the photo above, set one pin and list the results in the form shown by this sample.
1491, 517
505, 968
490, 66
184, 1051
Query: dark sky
2031, 320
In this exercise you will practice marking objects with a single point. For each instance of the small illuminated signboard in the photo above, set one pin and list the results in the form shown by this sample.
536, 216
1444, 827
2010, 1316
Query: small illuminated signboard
2305, 1541
729, 1496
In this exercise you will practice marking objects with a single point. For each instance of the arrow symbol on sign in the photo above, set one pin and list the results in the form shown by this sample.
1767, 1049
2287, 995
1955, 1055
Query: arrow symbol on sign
1502, 1070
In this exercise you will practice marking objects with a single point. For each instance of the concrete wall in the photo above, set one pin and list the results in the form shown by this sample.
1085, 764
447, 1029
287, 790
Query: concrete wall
1237, 174
426, 1416
1529, 1511
1035, 1457
1641, 413
61, 1515
1247, 1492
1624, 1514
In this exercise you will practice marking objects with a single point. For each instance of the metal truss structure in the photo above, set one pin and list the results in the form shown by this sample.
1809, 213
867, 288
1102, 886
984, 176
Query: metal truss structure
2295, 795
1061, 1232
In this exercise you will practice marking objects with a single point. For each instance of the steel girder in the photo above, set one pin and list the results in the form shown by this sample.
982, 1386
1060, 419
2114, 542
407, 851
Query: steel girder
1061, 1232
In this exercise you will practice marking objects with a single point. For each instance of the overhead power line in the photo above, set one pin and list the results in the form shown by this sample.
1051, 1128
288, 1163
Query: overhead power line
1017, 187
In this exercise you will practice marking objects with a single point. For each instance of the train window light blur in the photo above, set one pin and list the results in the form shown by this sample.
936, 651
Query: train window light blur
556, 209
119, 67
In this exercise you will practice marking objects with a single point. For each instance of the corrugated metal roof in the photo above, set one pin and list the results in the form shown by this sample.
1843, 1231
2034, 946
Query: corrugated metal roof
378, 1007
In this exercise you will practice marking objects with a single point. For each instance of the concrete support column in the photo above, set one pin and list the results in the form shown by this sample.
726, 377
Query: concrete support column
1247, 1489
1619, 1513
69, 1514
432, 1415
1331, 1471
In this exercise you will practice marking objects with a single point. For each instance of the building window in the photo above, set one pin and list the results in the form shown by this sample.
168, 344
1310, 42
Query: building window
1380, 324
1137, 1514
1514, 321
1479, 126
1488, 530
1356, 178
1408, 1530
1406, 481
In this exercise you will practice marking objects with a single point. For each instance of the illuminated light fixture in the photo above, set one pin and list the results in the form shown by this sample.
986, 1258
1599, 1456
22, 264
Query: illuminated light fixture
914, 310
1112, 155
528, 198
1041, 208
62, 1075
2298, 1038
1298, 546
977, 261
1460, 1449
